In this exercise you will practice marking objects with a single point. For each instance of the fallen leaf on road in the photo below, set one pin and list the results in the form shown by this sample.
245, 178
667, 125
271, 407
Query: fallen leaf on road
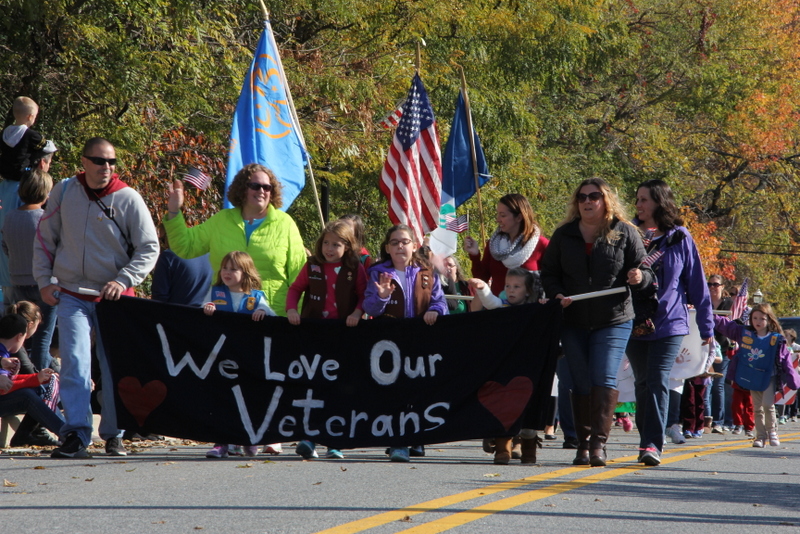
565, 499
7, 484
267, 462
786, 523
90, 465
343, 468
598, 500
158, 522
244, 466
489, 475
89, 479
406, 519
198, 528
757, 505
316, 483
130, 470
713, 473
166, 463
40, 467
550, 505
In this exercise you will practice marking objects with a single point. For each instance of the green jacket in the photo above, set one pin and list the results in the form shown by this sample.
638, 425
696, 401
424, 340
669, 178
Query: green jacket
276, 247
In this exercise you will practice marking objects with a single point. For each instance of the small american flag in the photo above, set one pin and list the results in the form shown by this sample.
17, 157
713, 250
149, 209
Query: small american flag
393, 119
197, 178
740, 301
411, 178
457, 224
653, 256
52, 393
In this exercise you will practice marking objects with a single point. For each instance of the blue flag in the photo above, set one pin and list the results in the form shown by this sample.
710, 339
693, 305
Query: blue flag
458, 178
264, 127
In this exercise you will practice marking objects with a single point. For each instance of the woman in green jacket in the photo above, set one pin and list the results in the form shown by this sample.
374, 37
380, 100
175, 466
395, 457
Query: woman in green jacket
254, 225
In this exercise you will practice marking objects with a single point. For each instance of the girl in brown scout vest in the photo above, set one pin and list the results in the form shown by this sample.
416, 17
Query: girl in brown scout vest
403, 284
333, 281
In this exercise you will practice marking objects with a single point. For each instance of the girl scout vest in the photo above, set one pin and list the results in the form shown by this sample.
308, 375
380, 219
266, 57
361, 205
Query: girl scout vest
221, 297
423, 286
314, 298
756, 360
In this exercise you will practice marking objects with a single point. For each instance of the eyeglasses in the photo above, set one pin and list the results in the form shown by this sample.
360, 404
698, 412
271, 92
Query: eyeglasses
594, 196
255, 187
714, 284
397, 242
102, 161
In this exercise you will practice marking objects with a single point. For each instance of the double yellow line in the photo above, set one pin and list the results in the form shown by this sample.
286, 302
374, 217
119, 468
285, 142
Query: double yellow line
479, 512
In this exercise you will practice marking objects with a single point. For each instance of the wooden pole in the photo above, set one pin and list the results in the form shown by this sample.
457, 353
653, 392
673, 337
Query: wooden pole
474, 156
296, 122
418, 59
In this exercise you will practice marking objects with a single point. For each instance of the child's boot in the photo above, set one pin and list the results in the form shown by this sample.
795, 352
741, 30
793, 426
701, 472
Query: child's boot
516, 451
502, 453
529, 446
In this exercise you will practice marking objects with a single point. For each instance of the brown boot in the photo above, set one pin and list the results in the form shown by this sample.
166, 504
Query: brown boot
529, 450
516, 451
488, 445
604, 402
582, 413
502, 453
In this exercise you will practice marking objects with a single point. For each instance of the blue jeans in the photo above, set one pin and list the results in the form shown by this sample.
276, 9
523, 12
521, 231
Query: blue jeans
594, 356
76, 319
719, 407
25, 400
652, 363
565, 418
40, 342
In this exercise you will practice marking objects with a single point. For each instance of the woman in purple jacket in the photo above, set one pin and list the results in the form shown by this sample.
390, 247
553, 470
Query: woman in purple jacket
673, 256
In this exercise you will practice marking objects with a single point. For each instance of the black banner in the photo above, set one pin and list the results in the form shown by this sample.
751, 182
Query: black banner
228, 379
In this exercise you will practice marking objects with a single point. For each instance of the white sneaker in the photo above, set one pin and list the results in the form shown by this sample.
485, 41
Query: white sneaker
759, 443
773, 439
675, 434
273, 448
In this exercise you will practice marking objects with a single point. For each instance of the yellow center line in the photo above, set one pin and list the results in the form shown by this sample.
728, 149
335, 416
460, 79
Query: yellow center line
367, 523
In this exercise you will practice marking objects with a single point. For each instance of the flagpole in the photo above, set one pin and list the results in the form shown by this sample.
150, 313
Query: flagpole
473, 153
296, 120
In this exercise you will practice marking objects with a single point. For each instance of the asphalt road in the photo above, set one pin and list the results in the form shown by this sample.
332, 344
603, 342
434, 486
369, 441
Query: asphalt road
719, 483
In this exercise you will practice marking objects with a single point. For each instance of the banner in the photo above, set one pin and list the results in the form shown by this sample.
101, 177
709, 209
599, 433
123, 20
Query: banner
386, 382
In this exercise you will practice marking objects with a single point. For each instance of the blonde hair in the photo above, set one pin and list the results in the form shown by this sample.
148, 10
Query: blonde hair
35, 187
614, 209
344, 231
23, 107
26, 309
241, 260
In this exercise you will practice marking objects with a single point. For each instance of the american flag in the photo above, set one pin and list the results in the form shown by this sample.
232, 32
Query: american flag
412, 174
393, 119
197, 178
457, 224
52, 393
740, 301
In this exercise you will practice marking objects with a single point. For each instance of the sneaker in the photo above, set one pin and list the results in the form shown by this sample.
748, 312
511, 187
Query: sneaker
627, 424
773, 439
235, 450
114, 447
717, 429
334, 453
650, 457
688, 434
250, 450
72, 448
749, 433
306, 449
738, 429
674, 433
698, 434
417, 450
273, 449
219, 451
398, 454
759, 443
782, 420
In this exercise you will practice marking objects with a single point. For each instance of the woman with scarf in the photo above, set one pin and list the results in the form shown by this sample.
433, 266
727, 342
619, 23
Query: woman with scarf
517, 242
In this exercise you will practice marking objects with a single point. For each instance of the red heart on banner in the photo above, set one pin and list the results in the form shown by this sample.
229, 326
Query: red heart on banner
507, 402
141, 400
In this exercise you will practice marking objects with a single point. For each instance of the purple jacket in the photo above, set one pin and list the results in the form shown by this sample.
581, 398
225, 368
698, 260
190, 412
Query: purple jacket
786, 374
374, 304
681, 281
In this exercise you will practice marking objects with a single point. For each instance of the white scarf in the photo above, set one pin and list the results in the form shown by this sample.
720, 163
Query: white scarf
512, 254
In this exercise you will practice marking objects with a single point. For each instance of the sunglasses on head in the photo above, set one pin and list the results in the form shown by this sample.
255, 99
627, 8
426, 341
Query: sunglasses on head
594, 196
714, 284
255, 187
102, 161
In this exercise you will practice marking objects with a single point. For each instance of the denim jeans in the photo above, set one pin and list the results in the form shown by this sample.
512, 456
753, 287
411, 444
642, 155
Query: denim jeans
652, 362
25, 400
719, 408
564, 402
40, 341
594, 356
76, 319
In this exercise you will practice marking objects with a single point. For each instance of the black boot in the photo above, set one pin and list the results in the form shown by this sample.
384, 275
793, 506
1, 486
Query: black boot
581, 412
30, 433
604, 401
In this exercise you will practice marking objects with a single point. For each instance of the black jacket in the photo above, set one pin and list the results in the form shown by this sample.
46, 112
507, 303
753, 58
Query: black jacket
567, 269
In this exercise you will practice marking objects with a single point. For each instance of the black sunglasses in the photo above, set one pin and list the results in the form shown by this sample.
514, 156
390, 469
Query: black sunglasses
255, 187
102, 161
714, 284
594, 196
